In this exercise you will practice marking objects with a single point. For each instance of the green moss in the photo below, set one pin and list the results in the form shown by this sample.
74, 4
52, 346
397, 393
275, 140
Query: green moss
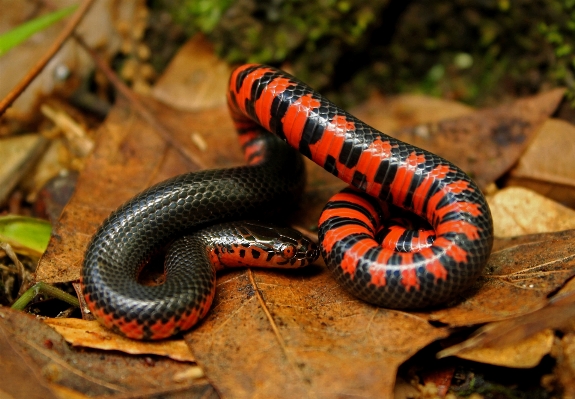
470, 50
312, 35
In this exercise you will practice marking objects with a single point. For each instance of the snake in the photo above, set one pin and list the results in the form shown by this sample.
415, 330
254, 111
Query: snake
375, 261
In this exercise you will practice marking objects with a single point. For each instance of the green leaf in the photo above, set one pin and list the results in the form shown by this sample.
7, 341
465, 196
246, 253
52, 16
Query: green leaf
25, 232
19, 34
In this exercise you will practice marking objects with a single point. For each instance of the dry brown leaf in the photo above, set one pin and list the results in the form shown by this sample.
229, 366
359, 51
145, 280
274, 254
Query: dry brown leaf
557, 314
558, 192
547, 165
525, 354
20, 376
518, 211
551, 155
406, 110
486, 143
94, 373
299, 334
91, 334
195, 67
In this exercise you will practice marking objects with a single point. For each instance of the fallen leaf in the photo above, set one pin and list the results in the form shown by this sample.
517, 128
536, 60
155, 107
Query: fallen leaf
557, 314
547, 166
194, 65
525, 354
91, 334
517, 211
20, 376
406, 110
93, 373
486, 143
560, 193
551, 155
313, 338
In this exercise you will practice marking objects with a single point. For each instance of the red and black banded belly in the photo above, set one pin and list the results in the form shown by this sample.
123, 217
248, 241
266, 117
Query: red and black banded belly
380, 169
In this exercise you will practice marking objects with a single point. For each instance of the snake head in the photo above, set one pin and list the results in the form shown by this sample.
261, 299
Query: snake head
283, 247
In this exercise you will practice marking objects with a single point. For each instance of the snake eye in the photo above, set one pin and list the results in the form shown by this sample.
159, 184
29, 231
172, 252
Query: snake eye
288, 251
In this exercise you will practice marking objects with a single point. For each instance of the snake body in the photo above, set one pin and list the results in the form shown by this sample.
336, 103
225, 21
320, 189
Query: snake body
379, 169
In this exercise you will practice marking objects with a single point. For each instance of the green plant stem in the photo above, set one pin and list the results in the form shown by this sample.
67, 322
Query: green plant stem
43, 288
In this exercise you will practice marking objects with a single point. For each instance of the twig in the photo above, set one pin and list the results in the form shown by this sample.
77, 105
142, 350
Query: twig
140, 108
46, 289
39, 66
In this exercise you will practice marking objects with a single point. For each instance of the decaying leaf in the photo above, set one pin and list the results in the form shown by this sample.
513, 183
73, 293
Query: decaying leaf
20, 377
521, 341
91, 334
486, 143
557, 314
547, 166
525, 354
517, 211
197, 68
92, 373
298, 334
407, 110
551, 155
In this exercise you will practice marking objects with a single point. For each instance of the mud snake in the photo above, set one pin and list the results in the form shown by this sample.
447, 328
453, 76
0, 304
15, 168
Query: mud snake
380, 171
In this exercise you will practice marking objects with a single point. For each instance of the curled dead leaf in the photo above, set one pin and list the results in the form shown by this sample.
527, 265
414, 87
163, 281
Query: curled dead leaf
91, 334
525, 354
